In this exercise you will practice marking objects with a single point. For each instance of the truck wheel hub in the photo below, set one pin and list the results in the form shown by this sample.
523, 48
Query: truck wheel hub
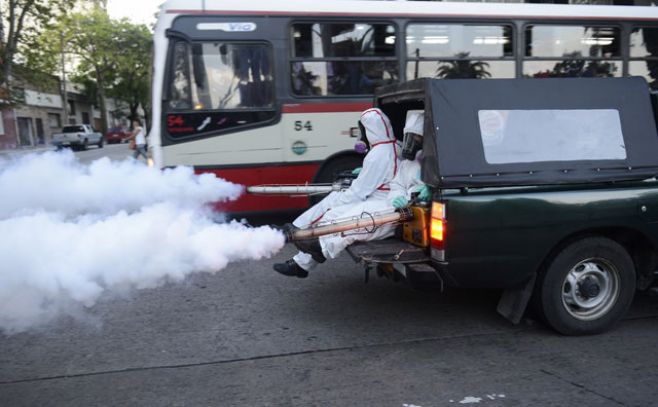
590, 289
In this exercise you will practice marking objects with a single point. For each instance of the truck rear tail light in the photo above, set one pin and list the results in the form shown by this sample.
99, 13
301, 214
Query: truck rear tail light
438, 225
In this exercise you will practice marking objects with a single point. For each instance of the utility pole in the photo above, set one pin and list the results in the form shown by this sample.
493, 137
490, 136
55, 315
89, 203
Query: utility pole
65, 102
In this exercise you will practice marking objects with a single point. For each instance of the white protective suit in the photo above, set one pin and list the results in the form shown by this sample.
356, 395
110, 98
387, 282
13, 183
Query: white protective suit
379, 167
406, 181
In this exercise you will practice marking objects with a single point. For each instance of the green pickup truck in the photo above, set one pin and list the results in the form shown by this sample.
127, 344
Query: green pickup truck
544, 188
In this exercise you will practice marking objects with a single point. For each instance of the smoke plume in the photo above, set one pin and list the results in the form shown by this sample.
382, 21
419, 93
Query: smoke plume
70, 233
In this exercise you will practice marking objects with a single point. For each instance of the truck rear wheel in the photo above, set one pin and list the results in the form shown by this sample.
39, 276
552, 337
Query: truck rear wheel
587, 288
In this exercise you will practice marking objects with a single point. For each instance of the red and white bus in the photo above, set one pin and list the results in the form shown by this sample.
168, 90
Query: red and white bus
263, 92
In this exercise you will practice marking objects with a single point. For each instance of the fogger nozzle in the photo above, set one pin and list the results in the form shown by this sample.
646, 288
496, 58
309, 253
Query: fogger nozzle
304, 189
366, 221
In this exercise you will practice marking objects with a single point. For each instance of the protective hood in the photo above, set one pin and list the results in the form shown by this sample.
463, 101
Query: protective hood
413, 134
414, 123
377, 126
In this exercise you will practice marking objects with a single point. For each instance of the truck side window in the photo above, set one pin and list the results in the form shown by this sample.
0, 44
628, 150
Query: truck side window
529, 136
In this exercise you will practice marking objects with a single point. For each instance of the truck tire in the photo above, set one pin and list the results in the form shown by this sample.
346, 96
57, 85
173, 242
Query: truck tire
85, 145
587, 288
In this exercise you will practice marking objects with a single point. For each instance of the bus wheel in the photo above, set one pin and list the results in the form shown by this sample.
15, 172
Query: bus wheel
332, 170
587, 288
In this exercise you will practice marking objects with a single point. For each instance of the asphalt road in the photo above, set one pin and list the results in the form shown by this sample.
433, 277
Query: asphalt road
113, 151
246, 336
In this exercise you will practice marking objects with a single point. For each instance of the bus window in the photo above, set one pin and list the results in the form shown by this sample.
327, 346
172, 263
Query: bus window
219, 85
644, 54
221, 75
453, 51
180, 95
342, 58
572, 51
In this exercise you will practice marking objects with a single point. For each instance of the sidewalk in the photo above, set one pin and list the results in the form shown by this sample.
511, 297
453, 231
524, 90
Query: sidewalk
16, 152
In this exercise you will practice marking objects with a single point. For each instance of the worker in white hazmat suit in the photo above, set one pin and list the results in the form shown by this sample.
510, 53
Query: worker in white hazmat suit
406, 182
372, 183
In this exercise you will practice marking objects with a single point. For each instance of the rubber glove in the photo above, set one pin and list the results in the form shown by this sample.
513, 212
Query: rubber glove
424, 193
400, 202
356, 171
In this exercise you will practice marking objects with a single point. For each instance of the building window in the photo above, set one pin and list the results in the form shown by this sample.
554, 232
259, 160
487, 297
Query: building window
85, 118
644, 54
342, 58
453, 51
572, 51
54, 120
71, 107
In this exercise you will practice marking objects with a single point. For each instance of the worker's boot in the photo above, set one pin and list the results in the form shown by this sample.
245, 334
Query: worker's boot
312, 247
291, 269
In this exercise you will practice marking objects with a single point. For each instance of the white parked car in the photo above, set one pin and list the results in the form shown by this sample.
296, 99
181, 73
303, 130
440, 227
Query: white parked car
78, 137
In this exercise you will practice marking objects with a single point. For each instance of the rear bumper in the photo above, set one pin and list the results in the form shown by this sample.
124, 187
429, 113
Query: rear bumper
400, 258
414, 265
66, 141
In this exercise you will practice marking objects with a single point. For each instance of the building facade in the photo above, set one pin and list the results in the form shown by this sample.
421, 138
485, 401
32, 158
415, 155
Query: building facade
42, 113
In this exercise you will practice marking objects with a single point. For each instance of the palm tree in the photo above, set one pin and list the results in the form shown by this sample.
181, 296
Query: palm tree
462, 68
575, 66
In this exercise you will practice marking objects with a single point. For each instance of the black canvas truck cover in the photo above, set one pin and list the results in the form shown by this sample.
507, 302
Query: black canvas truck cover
536, 131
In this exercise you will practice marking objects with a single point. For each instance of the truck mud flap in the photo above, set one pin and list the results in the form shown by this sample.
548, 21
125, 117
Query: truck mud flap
513, 301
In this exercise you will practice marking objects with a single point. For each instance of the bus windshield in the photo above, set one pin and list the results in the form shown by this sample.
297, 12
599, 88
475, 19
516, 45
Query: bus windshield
220, 75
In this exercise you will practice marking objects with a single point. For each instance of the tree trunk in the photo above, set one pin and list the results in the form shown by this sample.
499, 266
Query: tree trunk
147, 117
133, 111
102, 102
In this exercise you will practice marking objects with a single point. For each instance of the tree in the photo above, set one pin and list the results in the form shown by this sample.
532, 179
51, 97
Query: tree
112, 57
21, 22
575, 66
93, 39
133, 66
462, 68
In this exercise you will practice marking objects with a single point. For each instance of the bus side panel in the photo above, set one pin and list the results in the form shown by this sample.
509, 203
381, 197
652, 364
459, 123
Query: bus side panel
265, 174
310, 134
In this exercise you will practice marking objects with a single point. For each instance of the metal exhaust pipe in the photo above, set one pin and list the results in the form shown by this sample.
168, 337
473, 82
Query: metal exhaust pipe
305, 189
291, 189
367, 221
